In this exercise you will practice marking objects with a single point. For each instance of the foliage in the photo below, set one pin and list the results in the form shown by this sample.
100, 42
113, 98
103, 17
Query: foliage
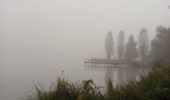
121, 45
143, 44
154, 86
161, 45
109, 45
68, 91
131, 50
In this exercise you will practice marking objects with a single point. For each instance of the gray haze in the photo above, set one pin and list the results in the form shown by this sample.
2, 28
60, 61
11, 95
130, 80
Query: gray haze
41, 38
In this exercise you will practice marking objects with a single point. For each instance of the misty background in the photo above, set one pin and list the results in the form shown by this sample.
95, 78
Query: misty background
41, 38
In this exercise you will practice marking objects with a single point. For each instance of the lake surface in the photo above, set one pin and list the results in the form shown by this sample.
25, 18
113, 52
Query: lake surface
19, 76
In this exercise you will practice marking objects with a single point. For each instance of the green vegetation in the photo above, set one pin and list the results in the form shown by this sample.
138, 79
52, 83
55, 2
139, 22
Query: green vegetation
154, 86
69, 91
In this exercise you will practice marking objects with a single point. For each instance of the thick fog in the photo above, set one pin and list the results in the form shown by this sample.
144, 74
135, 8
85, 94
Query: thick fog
41, 38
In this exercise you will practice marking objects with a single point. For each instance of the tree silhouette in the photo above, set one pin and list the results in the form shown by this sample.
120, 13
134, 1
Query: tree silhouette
143, 43
131, 50
109, 45
161, 45
121, 45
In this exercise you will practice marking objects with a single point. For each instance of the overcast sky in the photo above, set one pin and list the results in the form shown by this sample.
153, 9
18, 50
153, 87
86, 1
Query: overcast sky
74, 26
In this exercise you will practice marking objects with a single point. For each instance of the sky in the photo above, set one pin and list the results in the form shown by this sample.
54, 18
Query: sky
75, 25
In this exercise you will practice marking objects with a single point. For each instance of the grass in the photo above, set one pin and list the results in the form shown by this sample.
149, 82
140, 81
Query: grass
154, 86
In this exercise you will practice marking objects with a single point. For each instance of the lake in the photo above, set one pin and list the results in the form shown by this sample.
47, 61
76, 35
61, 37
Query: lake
19, 76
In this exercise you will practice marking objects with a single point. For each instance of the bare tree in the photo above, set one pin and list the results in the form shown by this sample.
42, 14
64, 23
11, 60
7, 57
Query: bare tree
121, 45
109, 45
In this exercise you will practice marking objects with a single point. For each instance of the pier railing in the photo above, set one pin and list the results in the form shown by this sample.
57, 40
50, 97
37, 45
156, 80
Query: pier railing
92, 62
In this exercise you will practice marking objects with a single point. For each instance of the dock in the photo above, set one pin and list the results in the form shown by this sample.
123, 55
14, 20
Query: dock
95, 62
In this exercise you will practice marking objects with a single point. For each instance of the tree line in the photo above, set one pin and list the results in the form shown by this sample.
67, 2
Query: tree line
140, 50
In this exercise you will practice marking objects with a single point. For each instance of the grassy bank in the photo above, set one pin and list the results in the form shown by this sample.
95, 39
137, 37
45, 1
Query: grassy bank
154, 86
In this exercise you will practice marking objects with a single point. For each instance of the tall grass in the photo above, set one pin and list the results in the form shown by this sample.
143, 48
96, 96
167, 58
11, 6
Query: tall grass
65, 90
154, 86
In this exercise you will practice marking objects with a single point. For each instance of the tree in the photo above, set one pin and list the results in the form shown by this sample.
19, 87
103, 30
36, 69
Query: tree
131, 50
161, 45
143, 44
121, 45
109, 45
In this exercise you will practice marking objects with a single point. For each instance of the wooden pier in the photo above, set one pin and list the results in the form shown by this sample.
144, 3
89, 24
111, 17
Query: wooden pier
95, 62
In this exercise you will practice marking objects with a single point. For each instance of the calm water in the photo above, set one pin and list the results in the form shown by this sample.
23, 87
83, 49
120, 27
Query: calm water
18, 76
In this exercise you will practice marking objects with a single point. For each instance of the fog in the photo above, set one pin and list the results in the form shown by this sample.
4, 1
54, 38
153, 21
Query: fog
41, 38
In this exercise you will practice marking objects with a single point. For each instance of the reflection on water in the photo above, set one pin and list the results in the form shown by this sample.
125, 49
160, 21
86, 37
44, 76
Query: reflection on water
120, 74
18, 77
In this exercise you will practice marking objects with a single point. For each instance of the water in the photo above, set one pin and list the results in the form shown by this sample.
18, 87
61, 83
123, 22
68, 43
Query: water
19, 76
